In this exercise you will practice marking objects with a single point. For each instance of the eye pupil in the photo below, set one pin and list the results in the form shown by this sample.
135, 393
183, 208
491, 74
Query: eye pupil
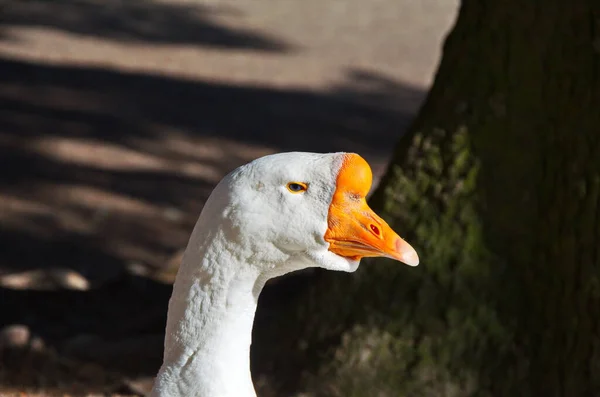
296, 187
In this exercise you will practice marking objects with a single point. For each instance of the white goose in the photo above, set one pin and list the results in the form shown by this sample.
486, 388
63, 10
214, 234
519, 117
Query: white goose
277, 214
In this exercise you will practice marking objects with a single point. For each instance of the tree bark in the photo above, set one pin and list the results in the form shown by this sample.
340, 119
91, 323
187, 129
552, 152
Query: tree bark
497, 185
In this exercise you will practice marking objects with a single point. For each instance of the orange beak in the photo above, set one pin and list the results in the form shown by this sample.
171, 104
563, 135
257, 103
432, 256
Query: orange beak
354, 231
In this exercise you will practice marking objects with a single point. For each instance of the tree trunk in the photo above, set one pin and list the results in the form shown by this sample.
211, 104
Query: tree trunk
497, 185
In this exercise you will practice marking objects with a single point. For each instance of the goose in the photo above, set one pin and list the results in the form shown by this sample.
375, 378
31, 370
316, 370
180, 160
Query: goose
277, 214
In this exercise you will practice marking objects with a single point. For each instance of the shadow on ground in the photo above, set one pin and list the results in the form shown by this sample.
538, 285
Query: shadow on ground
105, 172
138, 21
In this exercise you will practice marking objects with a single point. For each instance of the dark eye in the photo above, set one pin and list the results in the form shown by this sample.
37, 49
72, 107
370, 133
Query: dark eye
297, 187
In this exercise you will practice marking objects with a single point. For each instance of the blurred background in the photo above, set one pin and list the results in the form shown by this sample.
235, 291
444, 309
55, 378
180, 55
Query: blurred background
117, 118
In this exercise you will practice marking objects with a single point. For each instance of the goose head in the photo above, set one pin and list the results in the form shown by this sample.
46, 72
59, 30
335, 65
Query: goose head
272, 216
299, 210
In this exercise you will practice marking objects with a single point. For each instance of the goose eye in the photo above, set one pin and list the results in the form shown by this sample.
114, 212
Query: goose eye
297, 187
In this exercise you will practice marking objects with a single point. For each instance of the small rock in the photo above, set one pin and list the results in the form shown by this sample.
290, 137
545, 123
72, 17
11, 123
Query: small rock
173, 214
14, 337
39, 279
37, 344
23, 280
70, 279
137, 269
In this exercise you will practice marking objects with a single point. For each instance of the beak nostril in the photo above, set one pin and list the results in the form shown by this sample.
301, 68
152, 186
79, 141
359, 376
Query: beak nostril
375, 230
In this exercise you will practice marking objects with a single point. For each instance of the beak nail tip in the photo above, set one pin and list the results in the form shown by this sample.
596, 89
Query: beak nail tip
408, 255
411, 259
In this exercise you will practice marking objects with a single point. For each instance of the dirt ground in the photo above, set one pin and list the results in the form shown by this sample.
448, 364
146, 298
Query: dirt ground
118, 117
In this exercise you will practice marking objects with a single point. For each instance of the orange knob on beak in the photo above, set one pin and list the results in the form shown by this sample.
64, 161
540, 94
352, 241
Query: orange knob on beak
354, 230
